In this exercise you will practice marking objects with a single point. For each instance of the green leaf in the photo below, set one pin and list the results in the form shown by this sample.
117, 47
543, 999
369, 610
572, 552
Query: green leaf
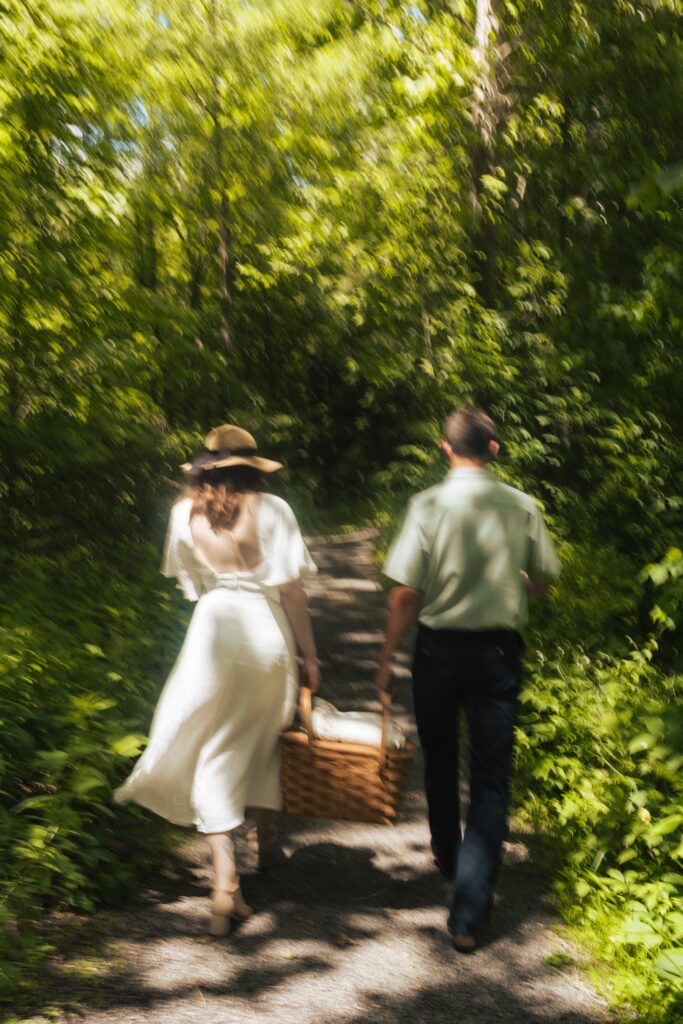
644, 741
129, 746
670, 178
669, 965
87, 780
52, 760
96, 652
664, 826
638, 932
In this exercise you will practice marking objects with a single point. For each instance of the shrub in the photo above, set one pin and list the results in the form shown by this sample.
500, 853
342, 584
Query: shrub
600, 769
79, 668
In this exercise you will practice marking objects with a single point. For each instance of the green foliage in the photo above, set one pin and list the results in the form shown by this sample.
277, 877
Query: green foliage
600, 758
331, 222
77, 675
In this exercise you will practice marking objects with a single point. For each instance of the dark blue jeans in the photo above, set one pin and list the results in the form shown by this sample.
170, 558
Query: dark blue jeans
480, 674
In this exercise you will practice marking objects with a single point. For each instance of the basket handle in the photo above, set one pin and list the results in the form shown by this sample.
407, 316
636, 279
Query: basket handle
385, 701
306, 712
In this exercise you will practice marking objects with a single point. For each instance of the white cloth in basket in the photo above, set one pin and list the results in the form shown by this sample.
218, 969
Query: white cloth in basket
329, 723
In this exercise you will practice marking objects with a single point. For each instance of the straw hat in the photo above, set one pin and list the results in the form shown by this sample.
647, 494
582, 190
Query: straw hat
229, 445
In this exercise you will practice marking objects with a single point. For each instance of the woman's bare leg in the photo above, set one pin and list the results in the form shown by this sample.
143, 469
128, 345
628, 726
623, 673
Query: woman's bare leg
228, 900
261, 838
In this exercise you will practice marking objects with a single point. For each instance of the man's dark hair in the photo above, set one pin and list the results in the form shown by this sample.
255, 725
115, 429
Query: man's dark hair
469, 432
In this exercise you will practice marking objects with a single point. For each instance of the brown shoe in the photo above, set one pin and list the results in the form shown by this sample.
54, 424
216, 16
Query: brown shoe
464, 943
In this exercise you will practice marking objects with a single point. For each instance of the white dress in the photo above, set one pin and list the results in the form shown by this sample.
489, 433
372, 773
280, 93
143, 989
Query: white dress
213, 747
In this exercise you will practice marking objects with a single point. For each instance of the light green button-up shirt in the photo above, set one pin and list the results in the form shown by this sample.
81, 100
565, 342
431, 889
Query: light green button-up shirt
464, 544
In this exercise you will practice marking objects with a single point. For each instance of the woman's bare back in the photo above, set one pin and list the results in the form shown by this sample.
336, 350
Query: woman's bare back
233, 550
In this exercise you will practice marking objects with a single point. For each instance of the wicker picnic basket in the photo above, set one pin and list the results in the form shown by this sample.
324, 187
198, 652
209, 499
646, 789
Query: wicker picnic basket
346, 781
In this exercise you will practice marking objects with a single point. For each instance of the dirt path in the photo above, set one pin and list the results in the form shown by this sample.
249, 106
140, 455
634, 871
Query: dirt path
350, 926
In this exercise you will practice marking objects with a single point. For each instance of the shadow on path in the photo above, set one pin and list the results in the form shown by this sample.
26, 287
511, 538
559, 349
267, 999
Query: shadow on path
349, 925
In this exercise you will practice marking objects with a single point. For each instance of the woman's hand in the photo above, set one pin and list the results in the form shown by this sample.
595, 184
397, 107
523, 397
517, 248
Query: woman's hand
310, 674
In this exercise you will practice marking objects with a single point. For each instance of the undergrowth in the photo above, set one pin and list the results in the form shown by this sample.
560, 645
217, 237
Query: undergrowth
80, 666
599, 769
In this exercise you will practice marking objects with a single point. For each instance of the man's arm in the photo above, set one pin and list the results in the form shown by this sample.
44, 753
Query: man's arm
404, 604
544, 565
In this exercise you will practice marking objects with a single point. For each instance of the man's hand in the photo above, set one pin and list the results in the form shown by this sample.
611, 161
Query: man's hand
384, 677
536, 588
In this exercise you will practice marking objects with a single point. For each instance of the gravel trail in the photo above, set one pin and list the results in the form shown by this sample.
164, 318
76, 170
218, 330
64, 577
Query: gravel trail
350, 924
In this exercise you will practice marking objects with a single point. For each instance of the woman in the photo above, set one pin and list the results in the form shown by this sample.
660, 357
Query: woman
213, 748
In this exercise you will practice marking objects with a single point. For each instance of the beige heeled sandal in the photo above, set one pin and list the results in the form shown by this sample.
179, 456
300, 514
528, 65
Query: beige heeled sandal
224, 909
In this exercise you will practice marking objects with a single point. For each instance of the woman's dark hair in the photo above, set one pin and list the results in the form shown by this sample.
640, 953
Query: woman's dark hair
217, 493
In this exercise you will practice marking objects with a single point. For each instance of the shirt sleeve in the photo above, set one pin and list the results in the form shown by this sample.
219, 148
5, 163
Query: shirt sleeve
174, 562
287, 556
406, 561
543, 561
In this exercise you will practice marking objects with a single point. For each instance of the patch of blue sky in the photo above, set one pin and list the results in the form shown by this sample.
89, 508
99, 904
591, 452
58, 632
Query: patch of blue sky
294, 175
415, 12
139, 113
125, 146
163, 20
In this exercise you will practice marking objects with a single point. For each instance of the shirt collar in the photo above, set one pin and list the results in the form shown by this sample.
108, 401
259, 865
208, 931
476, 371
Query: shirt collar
461, 471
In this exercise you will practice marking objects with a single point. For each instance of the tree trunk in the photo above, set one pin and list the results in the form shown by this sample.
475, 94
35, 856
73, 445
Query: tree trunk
224, 293
485, 117
152, 255
427, 335
146, 255
196, 268
224, 271
15, 408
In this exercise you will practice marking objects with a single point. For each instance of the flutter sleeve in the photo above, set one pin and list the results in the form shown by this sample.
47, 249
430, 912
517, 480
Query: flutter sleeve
178, 557
286, 557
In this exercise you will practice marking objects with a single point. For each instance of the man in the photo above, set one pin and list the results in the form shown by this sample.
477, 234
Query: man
469, 551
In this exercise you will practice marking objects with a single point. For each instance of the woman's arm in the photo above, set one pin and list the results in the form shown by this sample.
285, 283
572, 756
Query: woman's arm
295, 604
